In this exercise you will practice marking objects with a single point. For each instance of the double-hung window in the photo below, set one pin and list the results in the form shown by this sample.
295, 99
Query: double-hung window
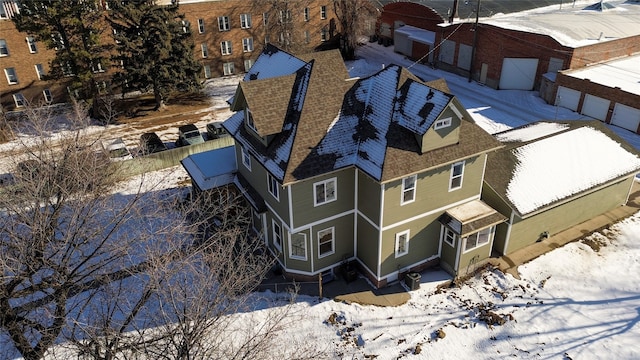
285, 16
201, 26
225, 47
19, 100
402, 243
4, 49
12, 76
40, 71
298, 246
245, 21
277, 234
408, 189
457, 172
246, 159
205, 50
323, 12
31, 42
326, 242
273, 186
248, 64
248, 119
47, 95
324, 192
223, 23
207, 71
323, 35
306, 14
227, 68
247, 44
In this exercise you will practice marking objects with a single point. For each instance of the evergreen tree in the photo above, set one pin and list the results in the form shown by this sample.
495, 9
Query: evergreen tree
154, 47
71, 28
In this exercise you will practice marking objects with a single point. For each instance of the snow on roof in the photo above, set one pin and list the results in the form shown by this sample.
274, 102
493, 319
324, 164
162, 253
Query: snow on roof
573, 26
531, 132
212, 168
273, 62
413, 112
560, 166
623, 73
417, 34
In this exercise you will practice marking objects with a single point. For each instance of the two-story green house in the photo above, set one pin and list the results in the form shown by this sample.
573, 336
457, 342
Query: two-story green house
384, 171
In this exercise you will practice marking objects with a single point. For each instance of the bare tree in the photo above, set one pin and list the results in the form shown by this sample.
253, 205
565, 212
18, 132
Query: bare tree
356, 18
283, 25
145, 273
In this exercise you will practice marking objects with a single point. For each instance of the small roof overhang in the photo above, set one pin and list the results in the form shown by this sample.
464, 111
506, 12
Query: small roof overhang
252, 196
213, 168
471, 217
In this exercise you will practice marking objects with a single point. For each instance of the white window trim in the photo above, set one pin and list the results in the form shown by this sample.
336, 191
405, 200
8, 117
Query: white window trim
205, 50
406, 247
273, 234
442, 123
477, 246
47, 98
248, 63
31, 41
247, 45
298, 257
228, 68
15, 74
323, 12
201, 27
333, 242
19, 103
306, 14
271, 181
324, 183
445, 231
451, 176
245, 21
207, 71
248, 119
404, 190
222, 24
246, 158
225, 47
6, 48
40, 75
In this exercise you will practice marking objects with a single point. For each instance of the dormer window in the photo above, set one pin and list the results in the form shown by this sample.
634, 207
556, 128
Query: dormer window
248, 119
442, 123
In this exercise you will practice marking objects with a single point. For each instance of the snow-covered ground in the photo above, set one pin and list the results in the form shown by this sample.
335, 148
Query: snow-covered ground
581, 301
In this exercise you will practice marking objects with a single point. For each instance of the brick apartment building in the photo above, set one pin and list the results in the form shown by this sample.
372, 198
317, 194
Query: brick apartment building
227, 34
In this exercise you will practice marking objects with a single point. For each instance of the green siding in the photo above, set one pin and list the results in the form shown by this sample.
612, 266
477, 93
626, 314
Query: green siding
369, 192
432, 191
424, 238
470, 259
343, 232
299, 265
448, 253
368, 244
269, 236
527, 231
435, 139
492, 199
304, 212
257, 177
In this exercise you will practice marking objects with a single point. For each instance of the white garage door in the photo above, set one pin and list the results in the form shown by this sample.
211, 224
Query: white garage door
567, 98
626, 117
596, 107
518, 74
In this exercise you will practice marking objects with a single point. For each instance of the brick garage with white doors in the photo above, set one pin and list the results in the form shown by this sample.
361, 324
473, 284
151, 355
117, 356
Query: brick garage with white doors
609, 92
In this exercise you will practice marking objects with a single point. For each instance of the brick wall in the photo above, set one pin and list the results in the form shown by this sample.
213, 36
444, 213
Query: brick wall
32, 88
603, 51
412, 14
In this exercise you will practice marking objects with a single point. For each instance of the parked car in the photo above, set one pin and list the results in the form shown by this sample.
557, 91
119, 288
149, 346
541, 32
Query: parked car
116, 149
215, 131
189, 135
150, 143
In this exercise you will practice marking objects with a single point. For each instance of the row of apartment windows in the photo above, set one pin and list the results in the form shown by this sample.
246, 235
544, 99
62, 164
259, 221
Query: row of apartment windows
20, 101
12, 75
31, 44
224, 22
226, 47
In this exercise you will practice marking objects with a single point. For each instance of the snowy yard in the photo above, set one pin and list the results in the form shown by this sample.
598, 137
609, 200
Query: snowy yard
581, 301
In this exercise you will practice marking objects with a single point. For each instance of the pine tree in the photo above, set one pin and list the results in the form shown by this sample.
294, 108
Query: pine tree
72, 29
154, 47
